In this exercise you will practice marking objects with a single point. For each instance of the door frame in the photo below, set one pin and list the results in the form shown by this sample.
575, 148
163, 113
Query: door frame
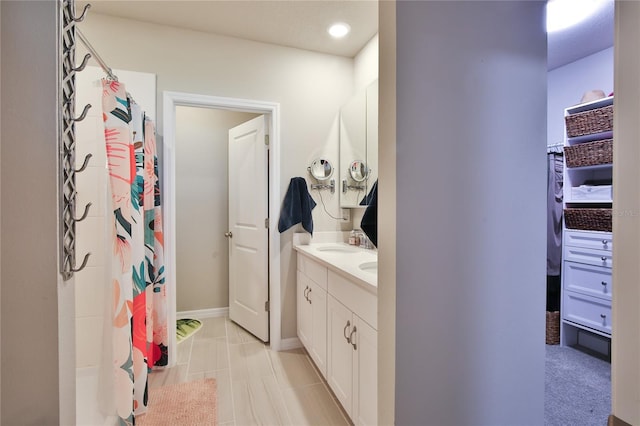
272, 112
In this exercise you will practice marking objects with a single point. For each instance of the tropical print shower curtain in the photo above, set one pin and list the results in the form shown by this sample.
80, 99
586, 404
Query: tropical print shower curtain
138, 284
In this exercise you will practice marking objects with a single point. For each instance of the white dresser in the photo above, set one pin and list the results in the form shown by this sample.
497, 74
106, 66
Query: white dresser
586, 284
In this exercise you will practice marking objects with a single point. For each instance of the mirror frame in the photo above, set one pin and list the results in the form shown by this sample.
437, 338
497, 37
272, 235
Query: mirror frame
322, 163
354, 169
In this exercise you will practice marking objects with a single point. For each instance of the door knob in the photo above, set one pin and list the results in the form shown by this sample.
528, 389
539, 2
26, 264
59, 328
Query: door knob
228, 234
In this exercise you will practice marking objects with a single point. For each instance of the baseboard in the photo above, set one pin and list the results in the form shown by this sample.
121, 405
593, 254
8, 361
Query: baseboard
291, 343
614, 421
203, 313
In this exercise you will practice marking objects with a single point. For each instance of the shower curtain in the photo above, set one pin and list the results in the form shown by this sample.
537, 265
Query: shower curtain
139, 312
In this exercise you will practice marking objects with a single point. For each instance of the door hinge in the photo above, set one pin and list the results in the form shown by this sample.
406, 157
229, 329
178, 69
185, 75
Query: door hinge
266, 306
266, 139
266, 223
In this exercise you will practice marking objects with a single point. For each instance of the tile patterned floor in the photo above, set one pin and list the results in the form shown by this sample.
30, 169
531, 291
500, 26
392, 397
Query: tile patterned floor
256, 386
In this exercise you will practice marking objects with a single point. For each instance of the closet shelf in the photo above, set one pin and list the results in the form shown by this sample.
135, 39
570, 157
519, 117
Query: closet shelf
590, 138
595, 167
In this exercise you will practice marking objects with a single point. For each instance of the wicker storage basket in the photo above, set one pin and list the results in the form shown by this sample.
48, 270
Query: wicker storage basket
588, 122
588, 219
589, 153
552, 336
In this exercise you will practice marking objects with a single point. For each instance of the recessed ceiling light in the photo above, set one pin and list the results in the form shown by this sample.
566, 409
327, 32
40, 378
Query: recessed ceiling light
339, 30
562, 14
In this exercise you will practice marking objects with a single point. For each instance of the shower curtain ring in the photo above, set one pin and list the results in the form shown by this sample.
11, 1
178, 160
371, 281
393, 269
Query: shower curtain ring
84, 113
85, 163
84, 12
84, 263
84, 215
83, 64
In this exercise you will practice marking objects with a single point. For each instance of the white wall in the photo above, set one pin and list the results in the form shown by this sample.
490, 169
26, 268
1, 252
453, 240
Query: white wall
366, 64
471, 185
625, 364
567, 84
30, 281
202, 251
310, 88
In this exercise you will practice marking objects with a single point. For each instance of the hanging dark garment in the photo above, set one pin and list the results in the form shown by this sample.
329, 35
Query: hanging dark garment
554, 213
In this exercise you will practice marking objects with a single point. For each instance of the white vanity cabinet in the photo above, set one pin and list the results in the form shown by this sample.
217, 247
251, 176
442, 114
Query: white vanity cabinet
312, 310
342, 339
352, 361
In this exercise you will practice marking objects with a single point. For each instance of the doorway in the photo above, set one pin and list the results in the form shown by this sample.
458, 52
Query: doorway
174, 101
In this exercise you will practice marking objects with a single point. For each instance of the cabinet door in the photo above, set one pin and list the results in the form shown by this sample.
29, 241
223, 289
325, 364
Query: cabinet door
340, 353
304, 315
365, 378
318, 350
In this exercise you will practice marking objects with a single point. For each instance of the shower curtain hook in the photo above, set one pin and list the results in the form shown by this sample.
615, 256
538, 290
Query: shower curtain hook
84, 12
84, 113
83, 64
84, 263
85, 163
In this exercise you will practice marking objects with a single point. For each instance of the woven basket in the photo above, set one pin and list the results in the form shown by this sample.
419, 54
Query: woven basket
588, 219
588, 122
552, 336
589, 153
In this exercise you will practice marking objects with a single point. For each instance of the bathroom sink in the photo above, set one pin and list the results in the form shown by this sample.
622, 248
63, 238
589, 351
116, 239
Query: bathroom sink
369, 267
337, 248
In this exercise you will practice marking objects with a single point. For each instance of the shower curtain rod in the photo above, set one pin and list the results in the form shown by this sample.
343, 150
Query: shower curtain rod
95, 55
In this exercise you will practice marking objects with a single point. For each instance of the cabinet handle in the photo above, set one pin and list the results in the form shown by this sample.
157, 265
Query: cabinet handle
604, 258
305, 292
605, 242
344, 332
353, 341
603, 316
309, 294
604, 283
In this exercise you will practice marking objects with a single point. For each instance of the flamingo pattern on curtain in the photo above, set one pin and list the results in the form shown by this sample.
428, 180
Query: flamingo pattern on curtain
140, 336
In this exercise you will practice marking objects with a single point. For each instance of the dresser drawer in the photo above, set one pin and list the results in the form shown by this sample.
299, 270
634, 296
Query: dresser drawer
588, 256
588, 311
587, 279
313, 270
586, 239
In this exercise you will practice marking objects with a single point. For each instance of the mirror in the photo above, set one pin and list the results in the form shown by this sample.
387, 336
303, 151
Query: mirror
358, 146
358, 171
321, 169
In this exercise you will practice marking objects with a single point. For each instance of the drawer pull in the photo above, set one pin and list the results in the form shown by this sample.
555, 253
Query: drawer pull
605, 242
604, 258
604, 283
603, 316
353, 341
344, 332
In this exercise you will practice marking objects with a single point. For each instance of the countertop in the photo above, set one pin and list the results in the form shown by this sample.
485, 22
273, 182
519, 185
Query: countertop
345, 260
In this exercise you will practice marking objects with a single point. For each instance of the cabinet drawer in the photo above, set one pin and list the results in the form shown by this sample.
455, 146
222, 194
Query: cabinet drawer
315, 271
358, 300
592, 240
588, 256
588, 311
587, 279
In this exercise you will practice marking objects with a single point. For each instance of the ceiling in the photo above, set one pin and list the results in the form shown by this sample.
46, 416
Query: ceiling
303, 23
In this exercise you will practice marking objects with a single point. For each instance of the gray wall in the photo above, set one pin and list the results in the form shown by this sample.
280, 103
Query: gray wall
202, 251
471, 207
29, 227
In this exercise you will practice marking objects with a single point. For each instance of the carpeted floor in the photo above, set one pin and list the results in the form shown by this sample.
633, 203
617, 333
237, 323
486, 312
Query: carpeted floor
577, 388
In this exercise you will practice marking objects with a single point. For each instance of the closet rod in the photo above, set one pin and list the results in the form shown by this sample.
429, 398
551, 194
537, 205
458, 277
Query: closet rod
95, 55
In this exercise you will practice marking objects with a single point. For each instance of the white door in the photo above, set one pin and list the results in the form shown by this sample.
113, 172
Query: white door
248, 232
